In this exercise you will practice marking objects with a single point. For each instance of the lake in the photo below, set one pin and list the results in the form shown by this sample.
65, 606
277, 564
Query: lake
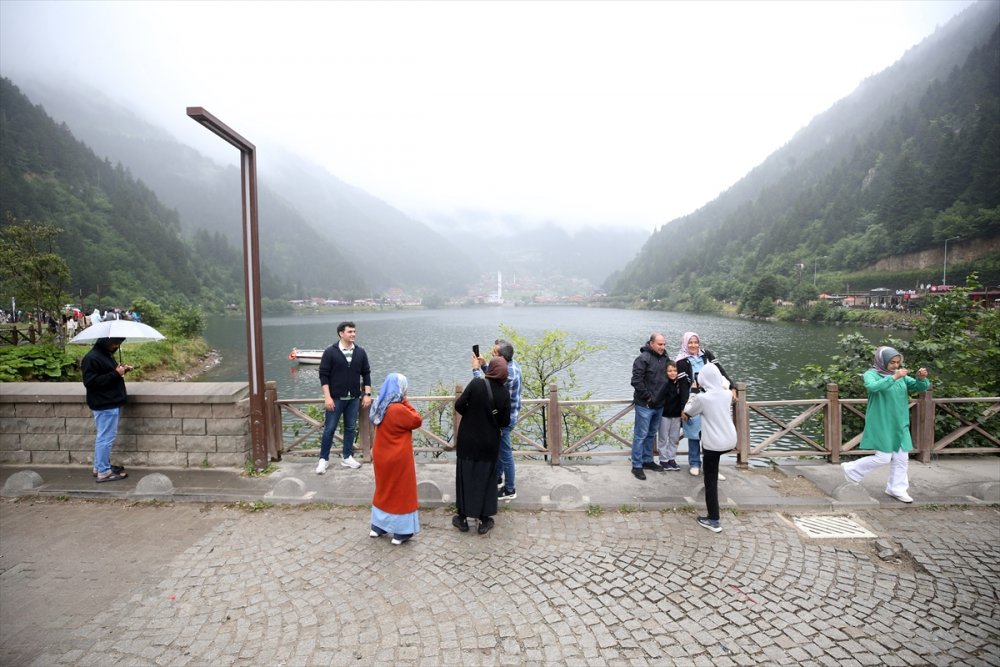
432, 347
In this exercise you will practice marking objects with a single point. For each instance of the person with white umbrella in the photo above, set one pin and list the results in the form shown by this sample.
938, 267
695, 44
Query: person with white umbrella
104, 379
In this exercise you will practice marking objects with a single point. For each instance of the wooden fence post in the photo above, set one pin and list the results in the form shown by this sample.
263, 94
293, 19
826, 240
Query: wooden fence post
554, 426
366, 433
924, 430
741, 419
832, 425
456, 418
273, 432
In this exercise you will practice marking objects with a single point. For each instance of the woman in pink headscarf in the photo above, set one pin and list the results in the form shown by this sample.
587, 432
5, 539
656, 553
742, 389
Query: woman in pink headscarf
691, 359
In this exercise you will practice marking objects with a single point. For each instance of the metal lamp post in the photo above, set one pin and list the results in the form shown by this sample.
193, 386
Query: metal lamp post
944, 274
251, 277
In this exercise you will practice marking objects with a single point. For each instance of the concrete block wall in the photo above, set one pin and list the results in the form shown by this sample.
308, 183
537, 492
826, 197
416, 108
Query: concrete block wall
181, 424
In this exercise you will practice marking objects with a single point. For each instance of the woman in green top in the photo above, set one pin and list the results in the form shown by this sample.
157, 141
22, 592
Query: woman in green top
887, 421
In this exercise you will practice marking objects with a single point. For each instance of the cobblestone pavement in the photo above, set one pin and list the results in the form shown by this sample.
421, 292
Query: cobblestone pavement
217, 585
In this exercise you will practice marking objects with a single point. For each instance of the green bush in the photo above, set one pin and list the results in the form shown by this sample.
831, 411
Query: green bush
149, 312
36, 363
185, 322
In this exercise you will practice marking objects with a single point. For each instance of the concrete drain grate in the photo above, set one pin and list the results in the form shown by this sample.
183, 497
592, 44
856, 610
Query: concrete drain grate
840, 527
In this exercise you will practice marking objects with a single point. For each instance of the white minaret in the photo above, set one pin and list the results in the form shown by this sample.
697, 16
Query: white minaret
499, 288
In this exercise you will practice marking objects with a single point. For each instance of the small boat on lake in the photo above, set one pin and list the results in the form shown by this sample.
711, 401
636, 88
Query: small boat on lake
305, 356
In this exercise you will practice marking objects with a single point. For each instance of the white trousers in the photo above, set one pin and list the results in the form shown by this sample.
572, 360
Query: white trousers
899, 481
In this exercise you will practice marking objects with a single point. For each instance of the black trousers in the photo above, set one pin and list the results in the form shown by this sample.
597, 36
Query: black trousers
710, 471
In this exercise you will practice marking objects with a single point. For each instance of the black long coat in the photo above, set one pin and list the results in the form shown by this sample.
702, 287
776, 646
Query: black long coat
479, 431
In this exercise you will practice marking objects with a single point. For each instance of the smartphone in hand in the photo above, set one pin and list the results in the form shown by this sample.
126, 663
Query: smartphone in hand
475, 351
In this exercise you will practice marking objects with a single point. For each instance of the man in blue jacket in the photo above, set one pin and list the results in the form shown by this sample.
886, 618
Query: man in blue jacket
346, 379
649, 376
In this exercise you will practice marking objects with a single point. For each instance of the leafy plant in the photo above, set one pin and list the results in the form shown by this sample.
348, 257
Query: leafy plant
185, 321
542, 362
36, 363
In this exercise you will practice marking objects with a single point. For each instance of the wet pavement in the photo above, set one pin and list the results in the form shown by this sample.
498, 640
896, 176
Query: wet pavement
588, 566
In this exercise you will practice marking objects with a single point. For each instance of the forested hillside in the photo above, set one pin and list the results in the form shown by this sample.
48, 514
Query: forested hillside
118, 240
910, 159
205, 194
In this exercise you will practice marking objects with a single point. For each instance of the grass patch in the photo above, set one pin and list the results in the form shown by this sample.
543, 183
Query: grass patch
311, 507
628, 509
250, 506
594, 510
250, 471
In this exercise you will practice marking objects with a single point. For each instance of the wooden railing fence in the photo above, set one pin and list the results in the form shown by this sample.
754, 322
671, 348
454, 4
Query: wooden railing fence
555, 429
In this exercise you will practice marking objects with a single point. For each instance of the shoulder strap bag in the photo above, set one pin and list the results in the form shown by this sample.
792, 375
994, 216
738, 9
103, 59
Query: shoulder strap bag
493, 406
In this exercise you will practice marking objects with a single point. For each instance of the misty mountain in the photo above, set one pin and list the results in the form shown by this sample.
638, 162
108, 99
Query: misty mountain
910, 158
118, 240
205, 194
393, 249
318, 233
522, 248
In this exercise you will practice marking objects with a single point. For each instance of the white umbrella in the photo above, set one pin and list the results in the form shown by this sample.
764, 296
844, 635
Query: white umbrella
131, 331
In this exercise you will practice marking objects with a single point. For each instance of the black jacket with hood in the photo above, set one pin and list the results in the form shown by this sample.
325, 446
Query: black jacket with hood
105, 387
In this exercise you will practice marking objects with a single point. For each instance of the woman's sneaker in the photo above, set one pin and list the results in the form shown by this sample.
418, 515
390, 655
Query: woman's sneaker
671, 466
507, 495
712, 524
349, 462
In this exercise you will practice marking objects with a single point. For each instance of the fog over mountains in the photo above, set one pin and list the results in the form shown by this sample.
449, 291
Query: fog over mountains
320, 235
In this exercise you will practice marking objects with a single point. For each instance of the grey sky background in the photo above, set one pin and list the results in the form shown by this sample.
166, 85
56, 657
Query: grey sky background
583, 113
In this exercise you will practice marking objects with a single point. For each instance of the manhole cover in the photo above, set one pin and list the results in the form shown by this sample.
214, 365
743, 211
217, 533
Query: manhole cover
840, 527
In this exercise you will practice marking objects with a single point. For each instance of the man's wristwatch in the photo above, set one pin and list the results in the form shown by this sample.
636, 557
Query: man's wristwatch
368, 394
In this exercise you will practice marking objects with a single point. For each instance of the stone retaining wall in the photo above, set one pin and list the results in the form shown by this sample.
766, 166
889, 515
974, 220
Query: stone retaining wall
164, 424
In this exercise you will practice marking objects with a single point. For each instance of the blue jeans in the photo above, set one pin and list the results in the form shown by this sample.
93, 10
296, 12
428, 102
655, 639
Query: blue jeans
505, 460
647, 423
107, 430
694, 452
349, 408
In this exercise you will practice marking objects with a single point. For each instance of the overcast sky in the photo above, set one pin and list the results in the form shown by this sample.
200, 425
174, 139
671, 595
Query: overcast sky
591, 113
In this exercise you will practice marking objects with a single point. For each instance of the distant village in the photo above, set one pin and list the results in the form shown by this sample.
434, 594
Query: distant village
489, 291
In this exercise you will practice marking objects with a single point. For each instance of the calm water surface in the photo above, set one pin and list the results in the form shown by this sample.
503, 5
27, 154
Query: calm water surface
432, 347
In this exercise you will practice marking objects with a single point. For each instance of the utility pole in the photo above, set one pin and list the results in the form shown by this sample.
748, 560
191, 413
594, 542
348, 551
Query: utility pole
815, 260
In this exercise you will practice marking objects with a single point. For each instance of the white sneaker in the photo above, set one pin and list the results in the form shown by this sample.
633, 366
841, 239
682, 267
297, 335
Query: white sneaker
902, 497
322, 466
349, 462
695, 471
722, 478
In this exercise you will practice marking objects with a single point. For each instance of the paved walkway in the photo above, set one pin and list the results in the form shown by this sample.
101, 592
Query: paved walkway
190, 583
